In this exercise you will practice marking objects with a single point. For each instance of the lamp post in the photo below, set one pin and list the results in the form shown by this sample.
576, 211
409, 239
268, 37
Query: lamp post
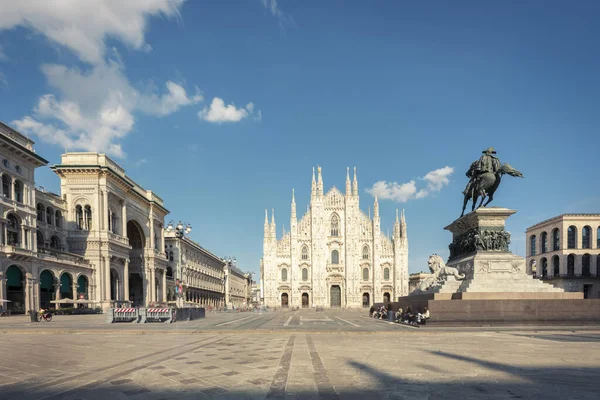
230, 262
181, 231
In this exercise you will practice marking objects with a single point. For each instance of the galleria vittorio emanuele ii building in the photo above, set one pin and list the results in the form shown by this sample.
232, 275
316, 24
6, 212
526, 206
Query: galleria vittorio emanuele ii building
335, 255
100, 243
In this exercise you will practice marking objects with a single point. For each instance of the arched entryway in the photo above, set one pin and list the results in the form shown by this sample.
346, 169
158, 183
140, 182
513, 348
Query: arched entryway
82, 288
137, 241
386, 298
15, 289
335, 296
66, 286
114, 284
366, 300
47, 289
135, 289
304, 300
284, 300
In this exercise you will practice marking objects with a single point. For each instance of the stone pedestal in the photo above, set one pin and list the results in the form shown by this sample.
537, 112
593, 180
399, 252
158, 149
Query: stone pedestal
496, 288
480, 251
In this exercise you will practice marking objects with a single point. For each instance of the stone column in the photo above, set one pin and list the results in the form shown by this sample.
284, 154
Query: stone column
153, 294
151, 241
5, 225
3, 287
106, 264
104, 223
28, 293
126, 279
12, 189
124, 218
22, 241
75, 290
164, 286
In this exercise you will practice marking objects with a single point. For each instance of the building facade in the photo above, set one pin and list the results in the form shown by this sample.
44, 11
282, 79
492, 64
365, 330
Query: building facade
100, 241
201, 273
565, 251
35, 265
237, 286
335, 255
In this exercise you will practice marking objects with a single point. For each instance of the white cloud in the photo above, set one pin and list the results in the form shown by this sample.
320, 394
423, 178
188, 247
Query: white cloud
438, 178
140, 162
93, 108
219, 113
96, 118
84, 29
273, 7
402, 192
3, 56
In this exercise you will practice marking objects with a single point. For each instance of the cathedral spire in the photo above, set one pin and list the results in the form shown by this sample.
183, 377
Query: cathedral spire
355, 184
403, 224
319, 181
348, 188
313, 186
293, 205
376, 208
273, 232
397, 226
266, 223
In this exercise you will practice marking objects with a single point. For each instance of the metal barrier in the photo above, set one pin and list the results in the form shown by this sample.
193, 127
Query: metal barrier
122, 315
166, 315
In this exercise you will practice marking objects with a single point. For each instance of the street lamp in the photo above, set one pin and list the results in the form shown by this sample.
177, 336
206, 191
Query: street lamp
181, 230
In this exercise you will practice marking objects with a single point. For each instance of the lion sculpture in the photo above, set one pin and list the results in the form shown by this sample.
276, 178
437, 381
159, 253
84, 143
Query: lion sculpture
439, 272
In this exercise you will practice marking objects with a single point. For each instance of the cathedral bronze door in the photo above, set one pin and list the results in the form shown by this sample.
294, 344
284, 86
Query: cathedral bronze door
335, 296
304, 300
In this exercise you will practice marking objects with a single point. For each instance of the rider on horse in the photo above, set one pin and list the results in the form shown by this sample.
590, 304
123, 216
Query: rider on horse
486, 163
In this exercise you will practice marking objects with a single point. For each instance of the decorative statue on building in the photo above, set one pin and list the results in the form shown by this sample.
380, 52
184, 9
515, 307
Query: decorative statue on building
439, 273
484, 176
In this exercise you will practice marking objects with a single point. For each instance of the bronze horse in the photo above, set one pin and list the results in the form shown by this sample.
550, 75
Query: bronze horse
486, 185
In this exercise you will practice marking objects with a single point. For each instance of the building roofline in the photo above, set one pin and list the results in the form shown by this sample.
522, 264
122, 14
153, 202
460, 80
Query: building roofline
561, 217
20, 146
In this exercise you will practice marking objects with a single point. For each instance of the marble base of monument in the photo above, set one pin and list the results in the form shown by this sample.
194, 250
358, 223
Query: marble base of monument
493, 286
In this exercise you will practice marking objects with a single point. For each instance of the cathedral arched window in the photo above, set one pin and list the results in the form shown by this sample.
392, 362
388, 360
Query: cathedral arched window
88, 217
571, 237
335, 257
386, 274
365, 274
365, 252
555, 239
304, 252
40, 212
544, 244
284, 274
335, 225
304, 274
49, 215
170, 256
79, 217
586, 237
532, 245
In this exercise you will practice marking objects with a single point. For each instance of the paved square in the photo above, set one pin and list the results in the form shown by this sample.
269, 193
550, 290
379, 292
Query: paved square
303, 362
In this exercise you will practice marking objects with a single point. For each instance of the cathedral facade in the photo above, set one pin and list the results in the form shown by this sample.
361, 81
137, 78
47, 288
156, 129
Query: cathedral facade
334, 255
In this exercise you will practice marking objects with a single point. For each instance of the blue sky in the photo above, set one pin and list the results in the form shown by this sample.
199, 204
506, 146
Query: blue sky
223, 107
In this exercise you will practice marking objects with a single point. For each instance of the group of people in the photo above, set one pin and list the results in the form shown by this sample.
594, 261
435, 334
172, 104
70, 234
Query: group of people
401, 316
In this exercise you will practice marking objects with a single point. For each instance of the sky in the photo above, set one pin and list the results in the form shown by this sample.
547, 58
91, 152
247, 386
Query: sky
223, 107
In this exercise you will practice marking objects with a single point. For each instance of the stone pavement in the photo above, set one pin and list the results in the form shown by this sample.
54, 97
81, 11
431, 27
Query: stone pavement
296, 364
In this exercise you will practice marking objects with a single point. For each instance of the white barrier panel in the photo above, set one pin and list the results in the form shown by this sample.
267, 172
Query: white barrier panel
122, 315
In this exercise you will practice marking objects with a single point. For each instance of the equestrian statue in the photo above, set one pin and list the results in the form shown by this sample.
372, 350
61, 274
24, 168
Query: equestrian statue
485, 176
